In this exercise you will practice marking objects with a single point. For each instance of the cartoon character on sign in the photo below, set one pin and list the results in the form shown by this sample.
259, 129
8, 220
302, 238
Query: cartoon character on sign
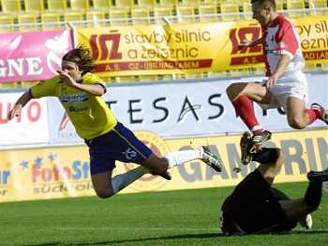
57, 46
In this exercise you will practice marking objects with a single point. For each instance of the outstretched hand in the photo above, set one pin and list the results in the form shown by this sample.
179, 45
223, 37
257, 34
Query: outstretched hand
15, 112
67, 79
244, 44
272, 80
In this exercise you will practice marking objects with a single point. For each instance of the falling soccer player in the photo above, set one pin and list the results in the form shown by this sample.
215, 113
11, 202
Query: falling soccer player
80, 93
256, 207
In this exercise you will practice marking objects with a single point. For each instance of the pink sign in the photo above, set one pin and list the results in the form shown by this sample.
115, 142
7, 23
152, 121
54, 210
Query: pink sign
29, 56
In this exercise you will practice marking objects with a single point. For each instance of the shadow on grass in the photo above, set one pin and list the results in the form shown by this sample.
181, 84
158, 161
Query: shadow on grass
184, 236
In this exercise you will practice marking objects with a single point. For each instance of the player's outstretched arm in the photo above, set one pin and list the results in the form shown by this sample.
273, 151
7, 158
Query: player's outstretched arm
246, 43
94, 89
280, 69
20, 103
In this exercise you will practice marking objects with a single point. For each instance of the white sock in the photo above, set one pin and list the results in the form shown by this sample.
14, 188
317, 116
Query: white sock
256, 128
123, 180
180, 157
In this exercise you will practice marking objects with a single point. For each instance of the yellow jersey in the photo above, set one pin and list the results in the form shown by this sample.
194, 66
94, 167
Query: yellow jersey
89, 114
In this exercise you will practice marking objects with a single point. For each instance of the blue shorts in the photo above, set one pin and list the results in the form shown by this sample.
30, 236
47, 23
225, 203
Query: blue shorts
118, 144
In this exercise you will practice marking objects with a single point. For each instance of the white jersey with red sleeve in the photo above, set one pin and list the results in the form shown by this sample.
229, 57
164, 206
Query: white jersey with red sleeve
280, 37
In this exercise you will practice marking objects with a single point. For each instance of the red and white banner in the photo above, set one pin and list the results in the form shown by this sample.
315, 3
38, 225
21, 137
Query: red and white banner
28, 56
30, 128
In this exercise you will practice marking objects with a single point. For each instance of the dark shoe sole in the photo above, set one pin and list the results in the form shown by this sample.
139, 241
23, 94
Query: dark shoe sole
318, 176
166, 176
246, 156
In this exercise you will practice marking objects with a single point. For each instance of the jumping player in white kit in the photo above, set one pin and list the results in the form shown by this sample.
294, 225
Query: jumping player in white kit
286, 84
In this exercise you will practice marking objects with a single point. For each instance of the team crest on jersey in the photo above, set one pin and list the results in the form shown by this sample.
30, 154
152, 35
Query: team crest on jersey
130, 154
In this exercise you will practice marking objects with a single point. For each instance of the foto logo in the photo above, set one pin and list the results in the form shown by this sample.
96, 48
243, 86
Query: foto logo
4, 177
78, 170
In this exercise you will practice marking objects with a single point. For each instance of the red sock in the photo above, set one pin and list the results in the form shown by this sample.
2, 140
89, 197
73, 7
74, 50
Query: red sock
244, 108
312, 115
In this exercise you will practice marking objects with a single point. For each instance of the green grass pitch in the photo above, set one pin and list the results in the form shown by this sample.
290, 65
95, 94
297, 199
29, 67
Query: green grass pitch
188, 217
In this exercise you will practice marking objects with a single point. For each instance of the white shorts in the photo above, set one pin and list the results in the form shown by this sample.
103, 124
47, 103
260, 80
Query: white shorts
292, 86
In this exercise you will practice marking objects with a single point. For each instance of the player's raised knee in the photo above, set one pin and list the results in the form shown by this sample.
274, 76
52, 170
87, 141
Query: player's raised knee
103, 194
296, 123
233, 90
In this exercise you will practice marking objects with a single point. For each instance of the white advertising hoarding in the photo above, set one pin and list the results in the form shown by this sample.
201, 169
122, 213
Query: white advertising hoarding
180, 109
30, 128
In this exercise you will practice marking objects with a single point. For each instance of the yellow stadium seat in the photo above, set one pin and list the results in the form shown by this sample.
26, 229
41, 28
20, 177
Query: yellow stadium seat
103, 5
195, 75
11, 6
168, 2
140, 15
229, 11
80, 4
126, 79
143, 3
162, 11
185, 13
119, 16
190, 2
34, 5
124, 3
318, 7
215, 2
312, 66
96, 18
51, 20
7, 23
148, 78
280, 5
208, 12
28, 22
295, 8
247, 10
75, 18
57, 5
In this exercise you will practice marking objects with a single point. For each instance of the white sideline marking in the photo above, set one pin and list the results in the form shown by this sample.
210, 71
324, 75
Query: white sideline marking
136, 228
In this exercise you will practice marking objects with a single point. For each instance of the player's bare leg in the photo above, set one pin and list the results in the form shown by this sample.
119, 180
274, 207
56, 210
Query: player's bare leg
242, 96
160, 166
106, 186
299, 116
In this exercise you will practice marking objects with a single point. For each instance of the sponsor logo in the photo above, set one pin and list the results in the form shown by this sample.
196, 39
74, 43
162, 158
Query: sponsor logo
4, 180
31, 113
130, 154
159, 147
50, 176
57, 47
21, 63
249, 55
76, 98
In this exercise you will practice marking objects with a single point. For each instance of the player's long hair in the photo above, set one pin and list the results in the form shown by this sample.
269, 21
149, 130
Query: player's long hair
80, 56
